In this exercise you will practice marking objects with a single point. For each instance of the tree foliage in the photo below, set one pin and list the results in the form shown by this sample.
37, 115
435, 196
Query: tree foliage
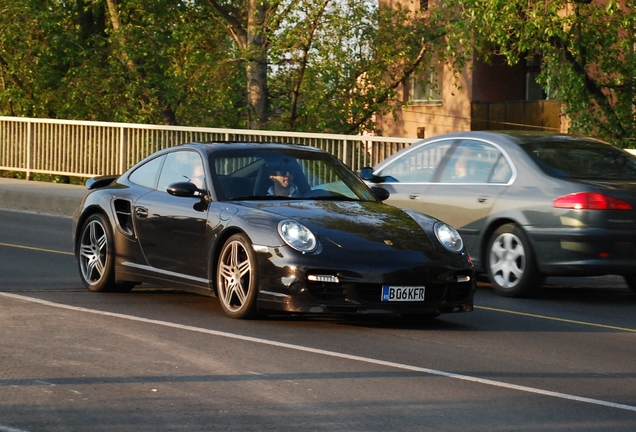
586, 50
309, 65
160, 64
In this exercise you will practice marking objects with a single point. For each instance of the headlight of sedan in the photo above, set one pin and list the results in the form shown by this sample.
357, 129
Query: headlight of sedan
297, 236
449, 237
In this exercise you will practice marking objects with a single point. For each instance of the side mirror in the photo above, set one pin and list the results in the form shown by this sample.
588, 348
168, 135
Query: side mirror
366, 173
380, 192
184, 189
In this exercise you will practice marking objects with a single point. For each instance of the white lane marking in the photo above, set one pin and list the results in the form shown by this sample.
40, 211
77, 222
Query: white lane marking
468, 378
10, 429
35, 212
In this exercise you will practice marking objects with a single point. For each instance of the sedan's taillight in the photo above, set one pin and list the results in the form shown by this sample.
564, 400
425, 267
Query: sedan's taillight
591, 201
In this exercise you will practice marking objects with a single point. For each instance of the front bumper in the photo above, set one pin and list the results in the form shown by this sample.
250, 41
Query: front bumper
354, 285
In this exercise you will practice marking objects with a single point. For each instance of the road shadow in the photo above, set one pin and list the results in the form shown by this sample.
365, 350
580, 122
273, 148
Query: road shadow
596, 289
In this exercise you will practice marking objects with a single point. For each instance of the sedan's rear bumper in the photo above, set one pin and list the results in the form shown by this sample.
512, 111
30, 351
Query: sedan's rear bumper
584, 252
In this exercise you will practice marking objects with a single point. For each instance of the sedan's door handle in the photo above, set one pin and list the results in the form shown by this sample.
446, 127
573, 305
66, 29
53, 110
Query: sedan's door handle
482, 200
414, 197
141, 212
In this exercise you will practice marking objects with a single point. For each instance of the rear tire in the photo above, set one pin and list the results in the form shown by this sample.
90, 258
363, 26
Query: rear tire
95, 255
511, 264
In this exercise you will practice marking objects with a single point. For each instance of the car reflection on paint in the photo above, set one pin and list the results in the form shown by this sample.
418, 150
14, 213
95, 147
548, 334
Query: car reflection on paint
528, 205
268, 227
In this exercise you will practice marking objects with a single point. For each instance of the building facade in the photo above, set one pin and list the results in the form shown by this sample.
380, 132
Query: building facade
483, 96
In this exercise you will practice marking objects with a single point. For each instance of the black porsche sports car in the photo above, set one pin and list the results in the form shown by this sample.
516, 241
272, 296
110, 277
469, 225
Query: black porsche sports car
267, 227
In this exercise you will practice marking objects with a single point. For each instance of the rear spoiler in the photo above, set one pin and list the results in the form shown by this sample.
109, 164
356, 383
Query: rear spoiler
100, 182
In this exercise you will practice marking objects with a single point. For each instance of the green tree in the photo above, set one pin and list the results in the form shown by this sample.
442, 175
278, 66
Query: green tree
586, 49
308, 65
116, 60
324, 65
28, 69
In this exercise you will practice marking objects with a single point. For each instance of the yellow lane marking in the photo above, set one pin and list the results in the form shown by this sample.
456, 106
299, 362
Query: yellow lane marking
557, 319
35, 249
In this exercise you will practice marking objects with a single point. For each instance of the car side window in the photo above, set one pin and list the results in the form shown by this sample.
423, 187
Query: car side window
182, 166
476, 162
146, 175
501, 172
418, 165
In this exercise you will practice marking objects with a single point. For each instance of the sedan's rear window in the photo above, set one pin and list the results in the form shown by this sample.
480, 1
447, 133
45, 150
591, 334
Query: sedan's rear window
582, 159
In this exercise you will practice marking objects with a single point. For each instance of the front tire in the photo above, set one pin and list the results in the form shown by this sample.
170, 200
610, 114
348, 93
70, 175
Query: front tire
511, 263
236, 278
95, 255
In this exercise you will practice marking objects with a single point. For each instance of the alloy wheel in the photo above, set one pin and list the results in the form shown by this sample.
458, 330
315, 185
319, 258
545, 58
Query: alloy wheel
93, 252
235, 278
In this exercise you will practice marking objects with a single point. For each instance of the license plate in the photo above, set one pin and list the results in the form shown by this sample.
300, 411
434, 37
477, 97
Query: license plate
397, 293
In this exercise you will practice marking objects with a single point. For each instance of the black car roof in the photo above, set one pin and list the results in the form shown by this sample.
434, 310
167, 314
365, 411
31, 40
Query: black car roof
211, 147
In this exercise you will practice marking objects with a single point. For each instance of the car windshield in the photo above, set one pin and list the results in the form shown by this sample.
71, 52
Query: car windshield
582, 159
275, 174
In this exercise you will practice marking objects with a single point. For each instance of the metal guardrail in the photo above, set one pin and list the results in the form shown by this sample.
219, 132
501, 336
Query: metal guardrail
88, 149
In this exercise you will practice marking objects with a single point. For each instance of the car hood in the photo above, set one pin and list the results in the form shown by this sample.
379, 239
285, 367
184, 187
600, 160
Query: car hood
356, 226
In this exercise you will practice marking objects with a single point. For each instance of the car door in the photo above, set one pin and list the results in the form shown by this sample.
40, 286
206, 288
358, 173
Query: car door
172, 229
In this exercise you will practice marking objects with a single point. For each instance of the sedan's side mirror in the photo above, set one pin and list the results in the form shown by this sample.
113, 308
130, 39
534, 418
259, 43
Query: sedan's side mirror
366, 173
184, 189
381, 193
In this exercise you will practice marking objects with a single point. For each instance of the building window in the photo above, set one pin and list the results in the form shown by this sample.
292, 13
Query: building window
426, 88
534, 90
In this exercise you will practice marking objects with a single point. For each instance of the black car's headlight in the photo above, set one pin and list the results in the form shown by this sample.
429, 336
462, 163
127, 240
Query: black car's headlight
449, 237
297, 236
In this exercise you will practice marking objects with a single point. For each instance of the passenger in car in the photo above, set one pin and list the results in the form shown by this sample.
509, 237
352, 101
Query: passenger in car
198, 176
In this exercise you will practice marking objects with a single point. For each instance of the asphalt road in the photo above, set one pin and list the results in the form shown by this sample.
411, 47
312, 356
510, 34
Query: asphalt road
158, 359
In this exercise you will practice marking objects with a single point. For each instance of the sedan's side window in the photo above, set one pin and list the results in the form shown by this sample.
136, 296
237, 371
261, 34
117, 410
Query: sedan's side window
476, 162
418, 165
501, 172
182, 166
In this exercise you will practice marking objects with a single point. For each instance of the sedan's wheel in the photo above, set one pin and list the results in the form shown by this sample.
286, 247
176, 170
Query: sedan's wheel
236, 277
510, 263
95, 254
631, 282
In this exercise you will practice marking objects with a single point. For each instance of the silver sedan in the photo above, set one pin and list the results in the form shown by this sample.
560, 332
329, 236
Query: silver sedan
528, 205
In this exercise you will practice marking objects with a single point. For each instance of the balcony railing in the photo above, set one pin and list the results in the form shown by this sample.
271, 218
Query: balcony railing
521, 115
88, 149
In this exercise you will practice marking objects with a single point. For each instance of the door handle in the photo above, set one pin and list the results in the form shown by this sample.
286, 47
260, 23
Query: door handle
141, 212
482, 200
414, 197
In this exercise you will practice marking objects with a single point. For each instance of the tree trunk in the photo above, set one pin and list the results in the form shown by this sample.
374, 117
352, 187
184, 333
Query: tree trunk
116, 23
251, 38
256, 69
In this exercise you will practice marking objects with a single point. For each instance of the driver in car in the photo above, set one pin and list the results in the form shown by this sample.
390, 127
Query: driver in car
283, 185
